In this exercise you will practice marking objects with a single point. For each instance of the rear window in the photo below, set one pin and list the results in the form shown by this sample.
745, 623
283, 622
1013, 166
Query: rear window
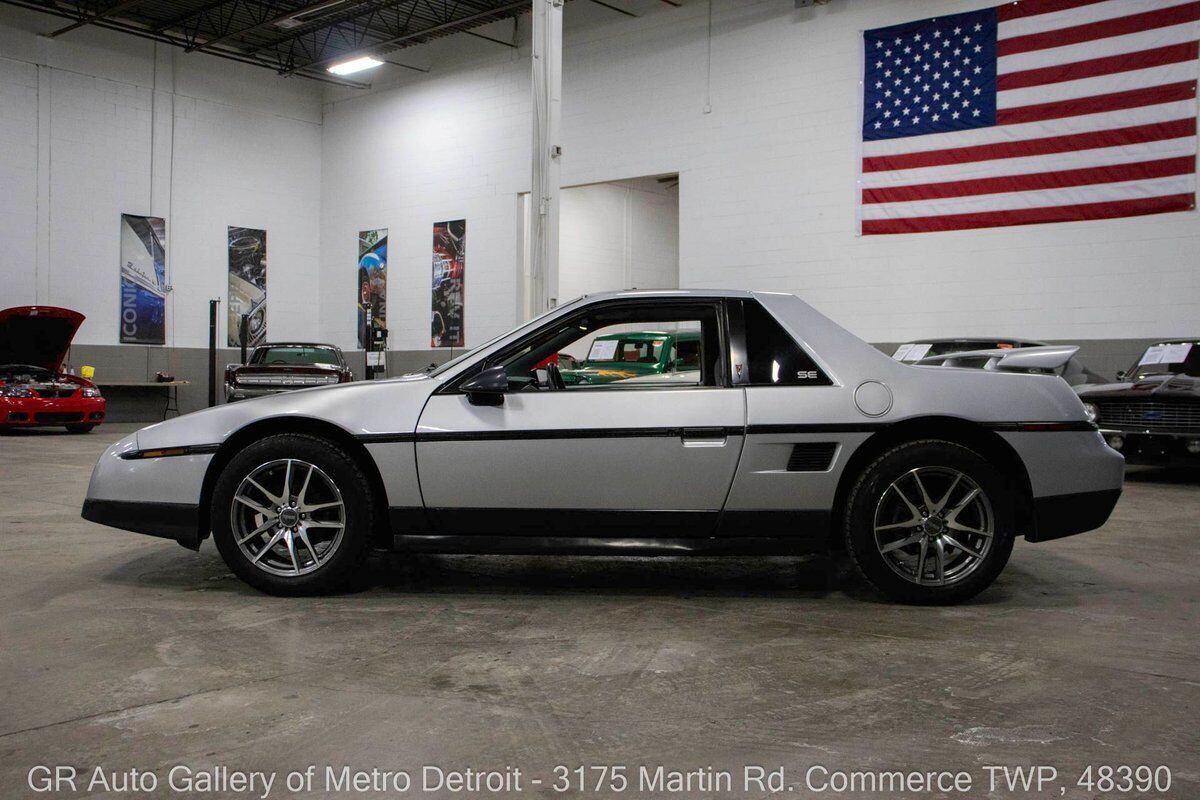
775, 358
295, 356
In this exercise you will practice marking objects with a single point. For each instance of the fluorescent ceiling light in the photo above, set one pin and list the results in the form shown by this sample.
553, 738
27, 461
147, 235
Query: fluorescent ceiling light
354, 65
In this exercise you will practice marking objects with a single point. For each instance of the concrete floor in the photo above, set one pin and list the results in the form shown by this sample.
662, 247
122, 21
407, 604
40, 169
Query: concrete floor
125, 651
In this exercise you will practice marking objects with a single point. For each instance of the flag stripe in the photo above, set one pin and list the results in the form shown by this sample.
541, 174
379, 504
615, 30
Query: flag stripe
1032, 216
1109, 65
1061, 179
1123, 153
1036, 20
1188, 12
1102, 85
1117, 45
1033, 198
1011, 11
1136, 98
991, 134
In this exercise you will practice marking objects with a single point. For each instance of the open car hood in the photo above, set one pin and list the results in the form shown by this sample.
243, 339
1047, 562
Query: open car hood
37, 335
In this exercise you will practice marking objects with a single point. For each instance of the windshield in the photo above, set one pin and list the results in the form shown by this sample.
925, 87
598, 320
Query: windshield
1168, 358
638, 351
295, 355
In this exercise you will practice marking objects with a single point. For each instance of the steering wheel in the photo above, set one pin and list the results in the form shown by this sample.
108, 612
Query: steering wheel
555, 375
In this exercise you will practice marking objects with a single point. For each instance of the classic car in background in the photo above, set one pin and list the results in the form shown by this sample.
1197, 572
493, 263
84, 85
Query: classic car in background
1152, 414
34, 391
282, 367
1012, 355
795, 436
626, 356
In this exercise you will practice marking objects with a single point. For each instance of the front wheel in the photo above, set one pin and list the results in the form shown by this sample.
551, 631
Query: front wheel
292, 514
930, 522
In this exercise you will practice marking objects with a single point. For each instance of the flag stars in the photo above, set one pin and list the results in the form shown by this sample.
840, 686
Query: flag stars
935, 118
978, 27
975, 113
955, 115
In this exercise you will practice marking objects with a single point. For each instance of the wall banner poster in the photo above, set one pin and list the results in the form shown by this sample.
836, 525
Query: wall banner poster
143, 280
247, 285
372, 283
449, 272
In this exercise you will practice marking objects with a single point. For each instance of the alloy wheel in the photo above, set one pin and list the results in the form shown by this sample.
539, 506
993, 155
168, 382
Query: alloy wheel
288, 517
934, 526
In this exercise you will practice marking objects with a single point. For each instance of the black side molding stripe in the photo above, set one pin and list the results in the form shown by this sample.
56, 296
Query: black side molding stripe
832, 427
1041, 427
638, 433
167, 452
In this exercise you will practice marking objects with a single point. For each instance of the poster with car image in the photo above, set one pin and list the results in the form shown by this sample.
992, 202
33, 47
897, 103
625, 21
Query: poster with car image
372, 283
449, 271
143, 279
247, 285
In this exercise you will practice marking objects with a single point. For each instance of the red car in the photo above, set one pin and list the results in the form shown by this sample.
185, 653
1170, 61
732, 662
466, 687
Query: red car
33, 391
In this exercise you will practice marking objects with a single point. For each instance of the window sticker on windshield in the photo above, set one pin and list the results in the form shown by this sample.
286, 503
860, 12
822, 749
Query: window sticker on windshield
917, 352
1153, 355
902, 351
603, 350
1176, 353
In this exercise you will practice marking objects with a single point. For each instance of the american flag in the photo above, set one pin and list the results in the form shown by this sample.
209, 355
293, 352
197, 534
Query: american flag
1034, 111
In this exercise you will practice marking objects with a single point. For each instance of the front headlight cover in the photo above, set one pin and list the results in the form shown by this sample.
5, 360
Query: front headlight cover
15, 391
91, 391
1092, 412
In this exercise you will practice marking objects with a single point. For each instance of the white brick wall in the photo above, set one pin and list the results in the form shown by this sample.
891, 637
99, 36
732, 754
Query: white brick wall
767, 180
75, 153
766, 196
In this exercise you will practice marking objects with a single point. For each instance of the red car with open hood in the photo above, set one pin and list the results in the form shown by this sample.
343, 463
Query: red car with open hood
33, 389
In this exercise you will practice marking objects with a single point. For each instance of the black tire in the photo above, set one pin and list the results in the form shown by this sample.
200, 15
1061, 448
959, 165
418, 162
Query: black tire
866, 501
359, 511
85, 428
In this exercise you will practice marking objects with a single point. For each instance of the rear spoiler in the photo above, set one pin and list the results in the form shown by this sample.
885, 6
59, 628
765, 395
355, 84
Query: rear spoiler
1014, 359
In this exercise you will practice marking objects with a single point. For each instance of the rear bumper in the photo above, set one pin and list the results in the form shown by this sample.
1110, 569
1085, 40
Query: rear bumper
1062, 515
178, 521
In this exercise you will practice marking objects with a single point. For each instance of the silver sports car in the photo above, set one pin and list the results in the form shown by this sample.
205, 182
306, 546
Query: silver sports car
791, 435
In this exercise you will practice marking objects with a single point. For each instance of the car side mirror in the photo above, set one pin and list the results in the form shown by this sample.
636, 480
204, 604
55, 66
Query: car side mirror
1120, 375
487, 388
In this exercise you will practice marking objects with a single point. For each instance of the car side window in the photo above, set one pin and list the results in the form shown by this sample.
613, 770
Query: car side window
774, 357
627, 346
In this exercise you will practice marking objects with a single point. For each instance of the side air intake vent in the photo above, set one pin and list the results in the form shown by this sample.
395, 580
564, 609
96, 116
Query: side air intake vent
811, 457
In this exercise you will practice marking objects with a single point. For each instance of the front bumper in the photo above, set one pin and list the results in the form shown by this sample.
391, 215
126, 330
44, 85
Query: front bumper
178, 521
1158, 448
29, 412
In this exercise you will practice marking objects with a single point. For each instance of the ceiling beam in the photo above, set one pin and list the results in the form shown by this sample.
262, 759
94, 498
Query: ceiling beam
158, 36
342, 17
266, 22
88, 20
389, 43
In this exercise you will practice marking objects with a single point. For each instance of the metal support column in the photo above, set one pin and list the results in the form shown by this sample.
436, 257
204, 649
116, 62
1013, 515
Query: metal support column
547, 154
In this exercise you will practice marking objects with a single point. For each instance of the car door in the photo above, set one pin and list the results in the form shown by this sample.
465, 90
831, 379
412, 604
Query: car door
651, 456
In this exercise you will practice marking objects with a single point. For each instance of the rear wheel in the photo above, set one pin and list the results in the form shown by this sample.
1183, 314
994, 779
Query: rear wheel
85, 428
930, 522
292, 515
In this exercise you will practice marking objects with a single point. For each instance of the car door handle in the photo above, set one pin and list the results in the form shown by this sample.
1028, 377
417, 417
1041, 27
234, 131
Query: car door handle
703, 437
